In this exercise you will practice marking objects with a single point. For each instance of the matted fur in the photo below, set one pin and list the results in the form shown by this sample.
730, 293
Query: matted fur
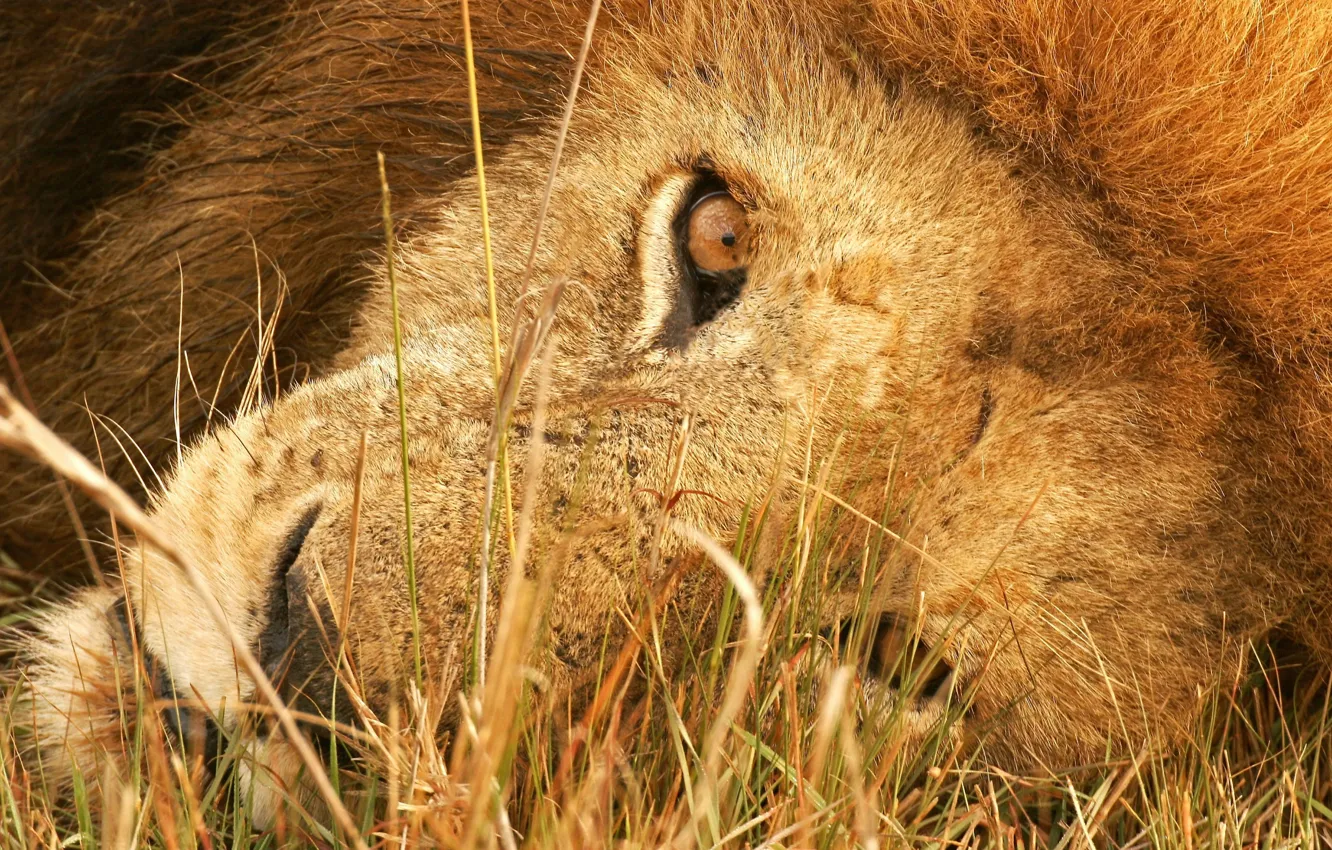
1097, 234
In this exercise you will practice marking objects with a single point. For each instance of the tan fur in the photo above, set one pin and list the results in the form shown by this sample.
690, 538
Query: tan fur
76, 683
1054, 276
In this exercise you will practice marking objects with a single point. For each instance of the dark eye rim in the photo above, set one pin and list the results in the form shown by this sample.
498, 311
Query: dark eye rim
701, 295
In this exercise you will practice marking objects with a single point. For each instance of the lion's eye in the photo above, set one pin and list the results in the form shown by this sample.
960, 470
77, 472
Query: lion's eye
709, 257
717, 235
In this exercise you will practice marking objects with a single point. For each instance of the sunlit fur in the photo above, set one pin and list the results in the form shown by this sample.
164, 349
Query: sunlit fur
1051, 277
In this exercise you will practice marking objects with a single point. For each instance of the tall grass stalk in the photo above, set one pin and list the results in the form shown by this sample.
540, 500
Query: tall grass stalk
483, 584
514, 371
402, 424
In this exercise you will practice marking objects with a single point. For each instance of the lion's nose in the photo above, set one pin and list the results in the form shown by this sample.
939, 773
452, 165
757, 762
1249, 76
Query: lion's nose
895, 656
299, 630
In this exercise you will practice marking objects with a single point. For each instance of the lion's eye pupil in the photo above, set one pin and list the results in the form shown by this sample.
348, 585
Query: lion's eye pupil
718, 233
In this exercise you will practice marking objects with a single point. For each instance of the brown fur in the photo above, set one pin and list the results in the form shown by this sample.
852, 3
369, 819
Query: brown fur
1068, 259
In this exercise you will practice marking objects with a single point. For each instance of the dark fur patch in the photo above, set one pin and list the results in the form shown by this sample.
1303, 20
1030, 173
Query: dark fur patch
80, 79
296, 642
993, 342
275, 637
983, 416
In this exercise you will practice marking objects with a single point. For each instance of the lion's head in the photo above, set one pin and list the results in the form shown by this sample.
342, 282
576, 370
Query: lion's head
783, 240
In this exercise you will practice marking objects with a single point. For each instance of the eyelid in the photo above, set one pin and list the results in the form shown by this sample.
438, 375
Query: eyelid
704, 185
719, 192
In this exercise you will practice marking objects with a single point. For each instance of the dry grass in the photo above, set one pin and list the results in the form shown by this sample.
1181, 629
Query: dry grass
747, 743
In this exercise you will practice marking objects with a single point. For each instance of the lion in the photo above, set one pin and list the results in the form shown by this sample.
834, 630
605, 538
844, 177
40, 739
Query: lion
1049, 277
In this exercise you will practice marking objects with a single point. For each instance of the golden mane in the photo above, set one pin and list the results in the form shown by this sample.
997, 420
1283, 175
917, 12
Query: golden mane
1203, 131
1204, 126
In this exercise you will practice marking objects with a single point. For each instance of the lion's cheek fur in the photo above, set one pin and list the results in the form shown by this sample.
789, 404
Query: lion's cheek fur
1059, 561
613, 463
